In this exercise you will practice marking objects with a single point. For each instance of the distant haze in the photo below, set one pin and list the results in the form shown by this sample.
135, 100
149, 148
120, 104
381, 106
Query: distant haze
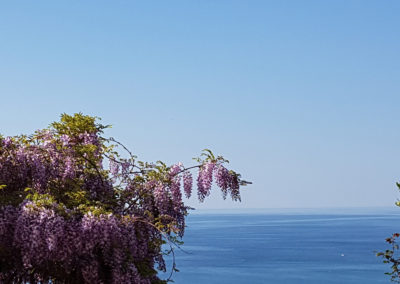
301, 96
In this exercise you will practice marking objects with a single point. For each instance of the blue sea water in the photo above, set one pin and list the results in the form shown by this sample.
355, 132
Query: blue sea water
286, 247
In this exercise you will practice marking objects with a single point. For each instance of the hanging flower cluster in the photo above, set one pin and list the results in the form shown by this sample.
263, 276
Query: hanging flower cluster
73, 210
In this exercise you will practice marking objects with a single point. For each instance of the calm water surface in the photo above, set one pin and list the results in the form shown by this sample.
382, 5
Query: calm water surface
300, 247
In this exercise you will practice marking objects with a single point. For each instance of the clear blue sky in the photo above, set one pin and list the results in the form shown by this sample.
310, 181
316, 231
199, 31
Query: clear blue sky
302, 96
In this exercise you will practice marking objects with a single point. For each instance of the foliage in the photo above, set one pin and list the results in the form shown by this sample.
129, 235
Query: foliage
391, 255
74, 210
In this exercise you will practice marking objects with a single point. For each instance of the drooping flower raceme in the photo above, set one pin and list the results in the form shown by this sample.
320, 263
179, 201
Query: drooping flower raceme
204, 179
187, 183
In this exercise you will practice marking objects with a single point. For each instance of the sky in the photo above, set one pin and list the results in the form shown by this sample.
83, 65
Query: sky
301, 96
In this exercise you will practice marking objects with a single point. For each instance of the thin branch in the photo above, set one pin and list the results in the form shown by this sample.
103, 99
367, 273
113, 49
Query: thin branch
123, 146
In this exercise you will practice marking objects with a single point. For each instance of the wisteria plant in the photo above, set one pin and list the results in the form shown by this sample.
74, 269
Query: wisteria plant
75, 209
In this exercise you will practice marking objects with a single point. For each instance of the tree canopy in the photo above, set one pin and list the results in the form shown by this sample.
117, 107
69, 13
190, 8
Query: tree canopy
77, 207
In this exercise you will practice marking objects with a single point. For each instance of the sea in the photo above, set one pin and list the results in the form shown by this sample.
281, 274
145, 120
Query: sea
311, 246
